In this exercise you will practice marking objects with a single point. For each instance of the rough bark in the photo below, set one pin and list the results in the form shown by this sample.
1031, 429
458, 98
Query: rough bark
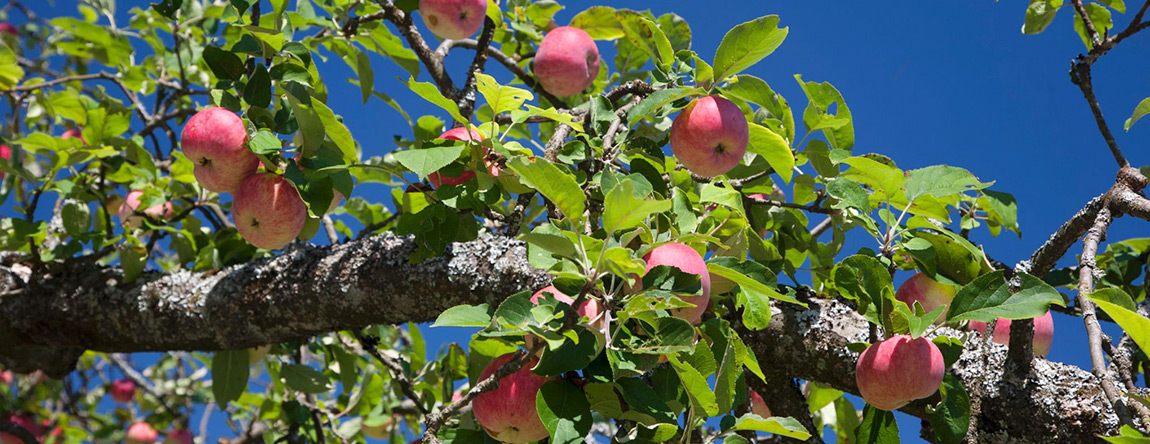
1055, 403
47, 321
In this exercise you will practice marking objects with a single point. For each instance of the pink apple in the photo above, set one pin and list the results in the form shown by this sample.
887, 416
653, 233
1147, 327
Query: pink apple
462, 134
8, 28
6, 377
1043, 332
215, 140
759, 405
123, 390
179, 436
336, 199
899, 370
709, 136
508, 413
268, 211
74, 133
6, 154
141, 433
592, 309
567, 61
453, 19
688, 260
23, 421
131, 204
927, 292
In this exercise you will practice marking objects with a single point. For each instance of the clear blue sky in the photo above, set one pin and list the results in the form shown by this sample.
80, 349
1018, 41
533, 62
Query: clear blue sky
927, 82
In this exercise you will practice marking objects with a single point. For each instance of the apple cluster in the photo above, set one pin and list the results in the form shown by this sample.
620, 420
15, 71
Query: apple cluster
268, 210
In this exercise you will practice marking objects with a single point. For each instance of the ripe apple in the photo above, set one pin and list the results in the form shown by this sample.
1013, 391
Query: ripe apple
591, 309
131, 203
927, 292
6, 377
1043, 332
381, 431
8, 28
759, 406
462, 134
215, 140
508, 413
688, 260
6, 154
453, 19
257, 354
74, 133
567, 61
898, 370
123, 390
709, 136
268, 211
23, 421
179, 436
141, 433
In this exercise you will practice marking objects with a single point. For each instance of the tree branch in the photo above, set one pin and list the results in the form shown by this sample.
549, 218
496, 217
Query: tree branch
47, 321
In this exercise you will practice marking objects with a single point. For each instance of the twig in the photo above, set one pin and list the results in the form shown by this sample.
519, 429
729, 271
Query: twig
822, 227
436, 420
122, 363
808, 208
635, 87
555, 143
1056, 246
396, 369
466, 100
329, 230
430, 60
1091, 31
1080, 75
509, 62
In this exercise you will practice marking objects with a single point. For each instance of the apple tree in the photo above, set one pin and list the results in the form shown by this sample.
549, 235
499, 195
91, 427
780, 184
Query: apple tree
649, 243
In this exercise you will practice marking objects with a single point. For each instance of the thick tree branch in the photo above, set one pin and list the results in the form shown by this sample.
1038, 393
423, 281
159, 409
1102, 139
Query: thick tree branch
1068, 234
1057, 403
48, 320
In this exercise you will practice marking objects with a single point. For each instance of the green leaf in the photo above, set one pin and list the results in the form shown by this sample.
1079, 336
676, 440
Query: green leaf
431, 94
565, 412
988, 298
783, 426
656, 100
624, 210
877, 427
305, 379
774, 149
750, 284
646, 35
555, 184
1117, 304
464, 316
501, 98
1039, 15
599, 22
428, 160
940, 181
838, 127
746, 44
951, 418
336, 131
1142, 109
10, 70
229, 375
224, 64
702, 398
258, 90
866, 281
849, 193
1100, 17
265, 142
133, 260
366, 76
77, 218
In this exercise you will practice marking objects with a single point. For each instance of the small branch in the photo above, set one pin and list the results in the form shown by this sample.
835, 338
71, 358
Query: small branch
634, 87
1091, 31
329, 230
370, 345
1080, 75
467, 98
807, 208
822, 227
551, 150
436, 420
1056, 246
511, 63
433, 62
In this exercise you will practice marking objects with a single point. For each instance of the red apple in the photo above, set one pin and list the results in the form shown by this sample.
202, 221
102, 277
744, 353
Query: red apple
688, 260
927, 292
592, 309
6, 377
215, 141
268, 211
759, 406
896, 371
74, 133
179, 436
6, 154
709, 136
567, 61
23, 421
508, 413
131, 204
453, 19
123, 390
8, 28
462, 134
1043, 332
141, 433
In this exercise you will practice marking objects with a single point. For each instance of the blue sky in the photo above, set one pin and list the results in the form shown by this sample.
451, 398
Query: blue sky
927, 83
